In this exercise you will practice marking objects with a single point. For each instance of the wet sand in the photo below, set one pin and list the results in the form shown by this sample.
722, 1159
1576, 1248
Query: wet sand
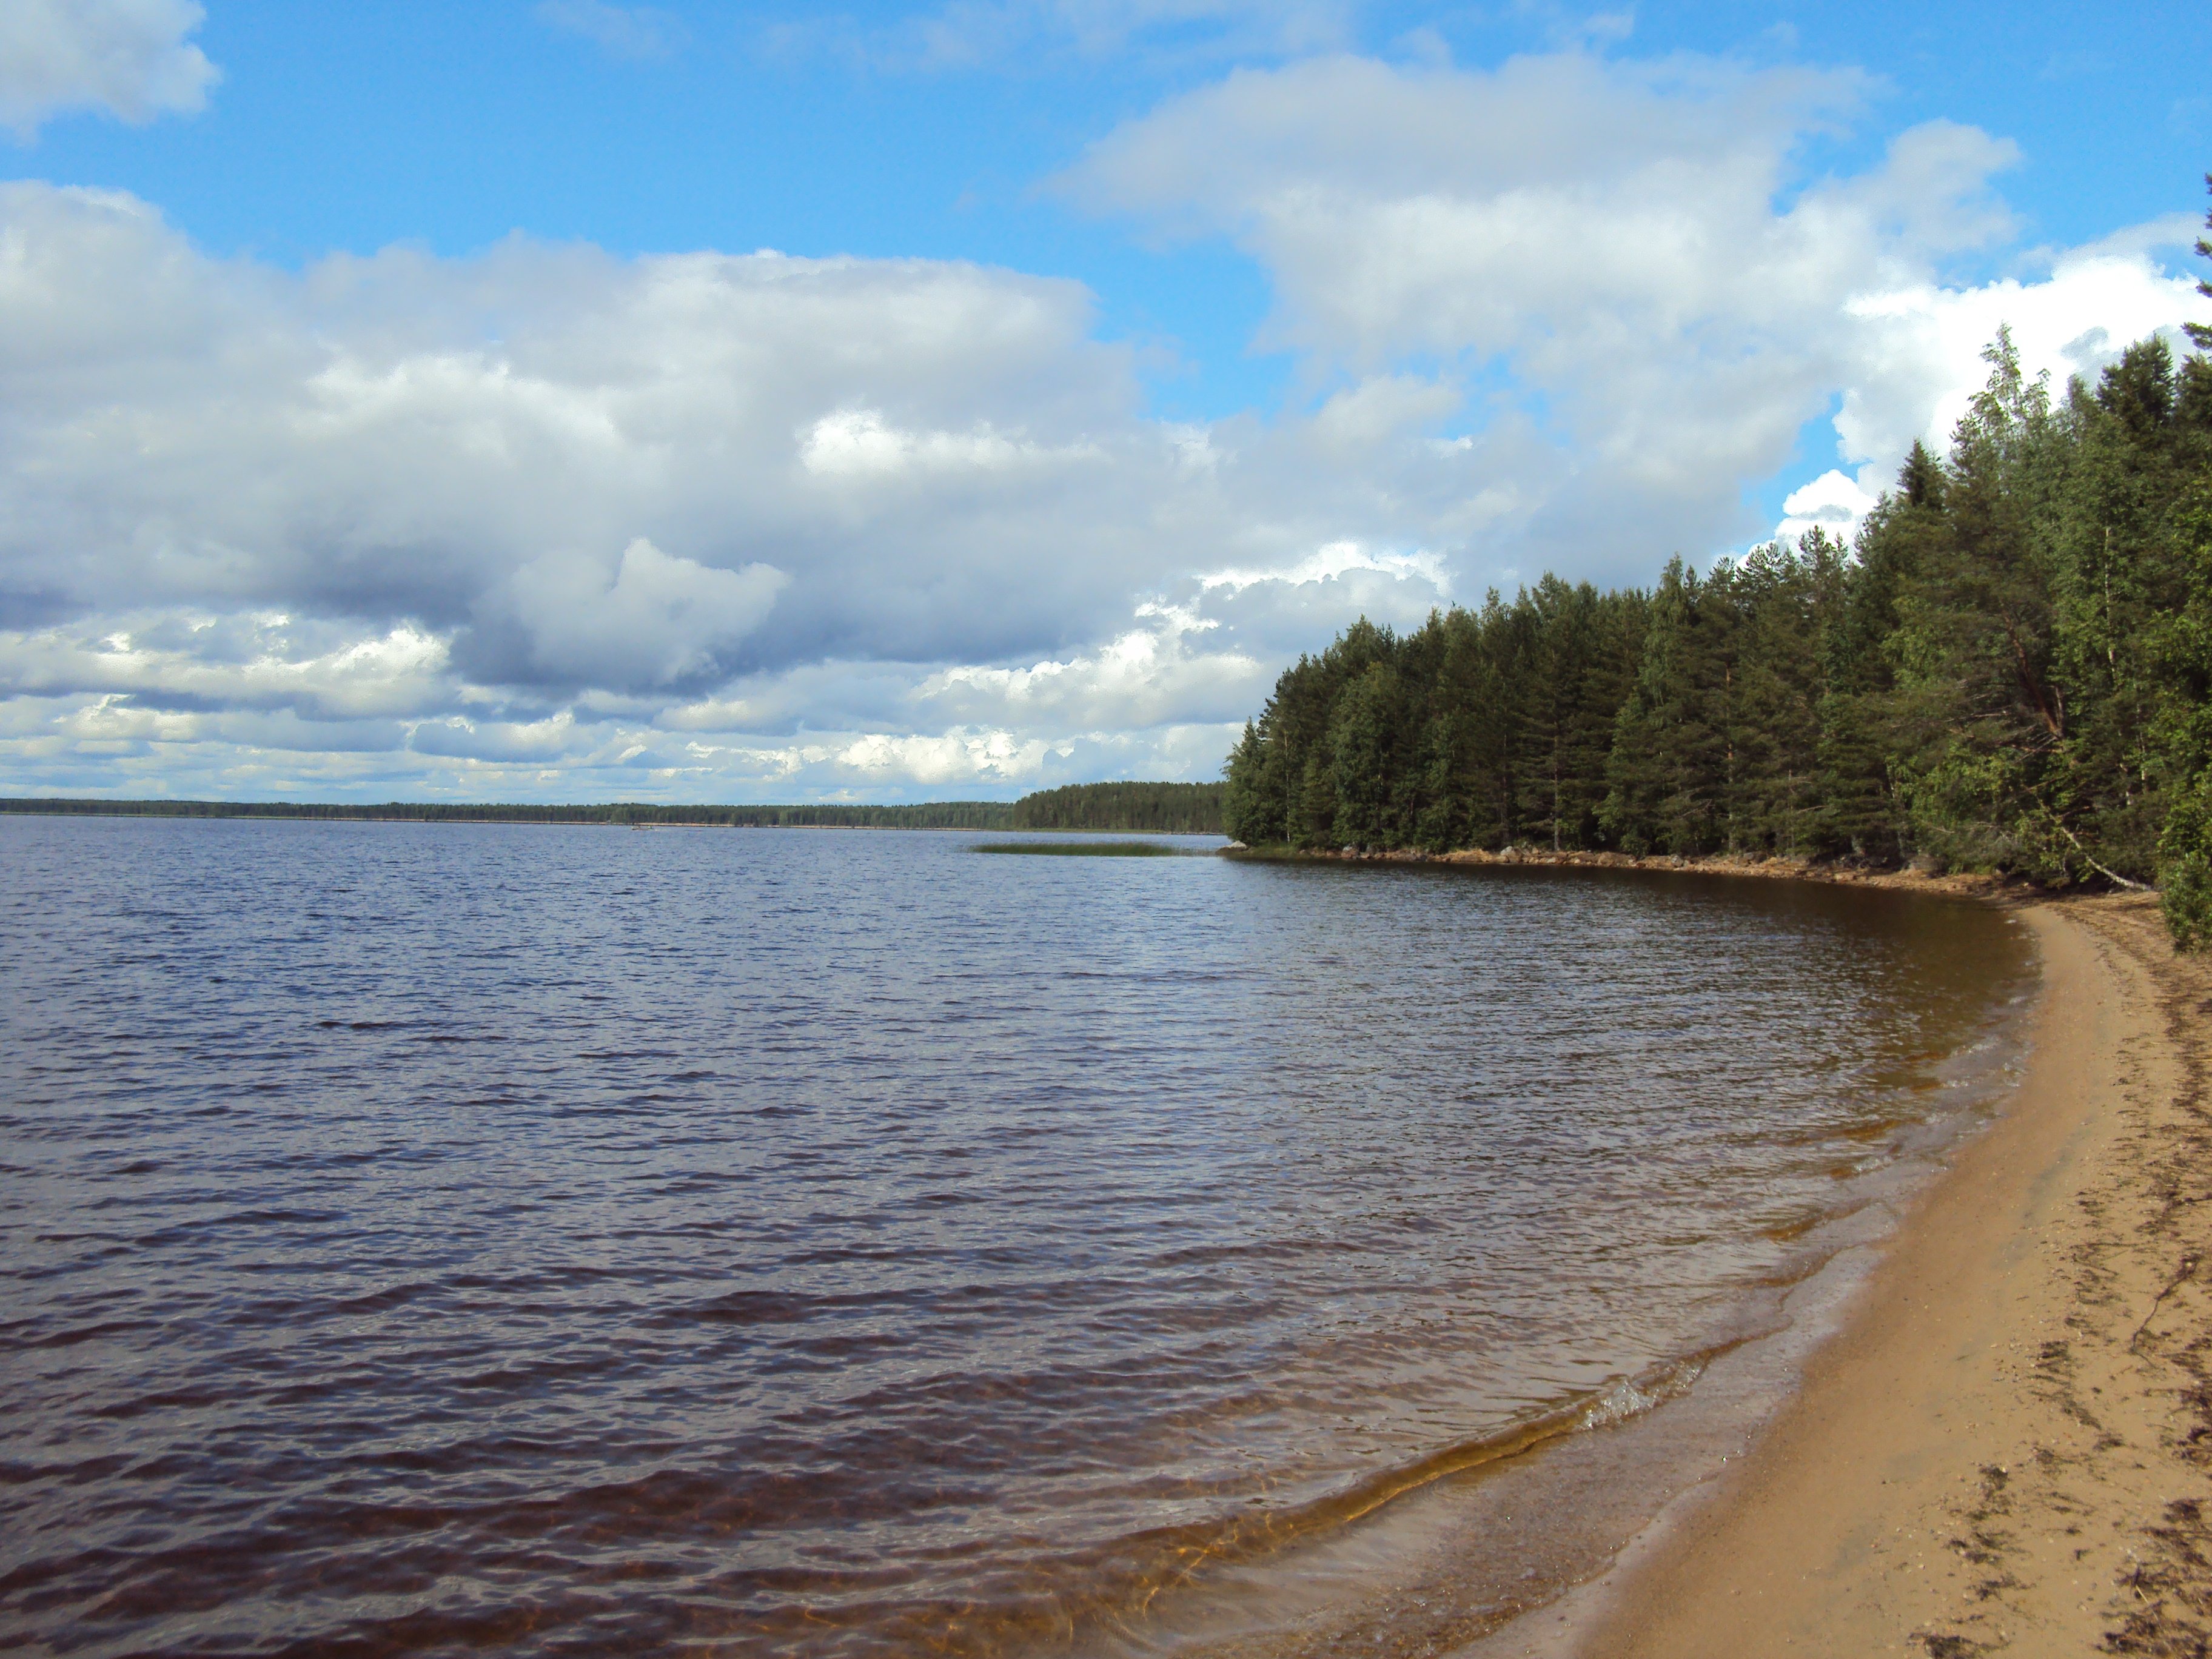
2008, 1446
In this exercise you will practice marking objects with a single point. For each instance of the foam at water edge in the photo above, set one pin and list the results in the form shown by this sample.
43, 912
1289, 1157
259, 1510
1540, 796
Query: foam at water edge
1630, 1398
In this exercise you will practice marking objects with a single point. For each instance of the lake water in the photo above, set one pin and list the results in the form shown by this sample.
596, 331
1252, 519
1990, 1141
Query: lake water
422, 1238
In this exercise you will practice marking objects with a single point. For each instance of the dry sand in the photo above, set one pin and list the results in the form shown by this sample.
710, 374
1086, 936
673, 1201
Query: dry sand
2008, 1446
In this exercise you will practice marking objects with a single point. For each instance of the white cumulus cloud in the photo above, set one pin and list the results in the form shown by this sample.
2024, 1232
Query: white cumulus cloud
132, 58
1625, 263
1919, 357
1833, 502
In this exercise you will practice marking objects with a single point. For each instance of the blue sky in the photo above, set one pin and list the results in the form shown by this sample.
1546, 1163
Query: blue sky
1118, 349
820, 130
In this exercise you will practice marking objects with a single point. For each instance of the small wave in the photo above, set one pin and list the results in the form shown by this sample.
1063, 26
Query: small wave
1249, 1536
1633, 1396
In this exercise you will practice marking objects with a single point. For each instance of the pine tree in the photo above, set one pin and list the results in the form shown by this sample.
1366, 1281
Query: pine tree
1364, 741
1252, 804
1776, 696
2113, 576
2181, 648
1976, 714
1572, 689
1862, 808
1474, 736
1668, 771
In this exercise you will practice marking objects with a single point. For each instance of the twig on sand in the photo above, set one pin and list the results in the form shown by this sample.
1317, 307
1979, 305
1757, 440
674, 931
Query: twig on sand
2180, 1277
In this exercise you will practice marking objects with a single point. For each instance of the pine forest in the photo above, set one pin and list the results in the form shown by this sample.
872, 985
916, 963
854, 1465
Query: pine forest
2009, 670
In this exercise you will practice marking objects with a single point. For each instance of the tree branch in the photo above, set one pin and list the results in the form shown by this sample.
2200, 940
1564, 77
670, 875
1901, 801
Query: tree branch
2109, 875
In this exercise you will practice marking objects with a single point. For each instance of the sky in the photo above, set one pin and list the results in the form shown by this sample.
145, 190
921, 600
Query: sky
562, 400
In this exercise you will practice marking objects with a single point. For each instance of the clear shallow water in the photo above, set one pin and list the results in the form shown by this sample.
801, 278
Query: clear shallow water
419, 1237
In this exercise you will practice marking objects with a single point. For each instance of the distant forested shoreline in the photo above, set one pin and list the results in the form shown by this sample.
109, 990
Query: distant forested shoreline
2010, 669
1159, 807
1189, 809
925, 814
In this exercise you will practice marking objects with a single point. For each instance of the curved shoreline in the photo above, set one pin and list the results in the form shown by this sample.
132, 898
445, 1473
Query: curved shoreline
1469, 1563
1830, 873
2009, 1441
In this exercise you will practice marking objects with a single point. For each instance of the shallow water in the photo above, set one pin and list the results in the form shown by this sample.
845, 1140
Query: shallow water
418, 1237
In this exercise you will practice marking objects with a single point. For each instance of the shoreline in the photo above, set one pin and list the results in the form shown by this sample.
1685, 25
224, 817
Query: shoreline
1764, 867
2006, 1442
1473, 1563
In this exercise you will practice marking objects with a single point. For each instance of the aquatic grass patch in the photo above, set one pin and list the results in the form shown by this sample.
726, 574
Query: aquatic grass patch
1087, 849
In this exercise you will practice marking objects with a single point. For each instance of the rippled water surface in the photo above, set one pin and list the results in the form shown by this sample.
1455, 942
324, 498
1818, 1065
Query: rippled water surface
576, 1240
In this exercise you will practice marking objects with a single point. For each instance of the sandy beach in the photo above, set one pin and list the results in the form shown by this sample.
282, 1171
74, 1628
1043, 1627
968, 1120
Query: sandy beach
2008, 1445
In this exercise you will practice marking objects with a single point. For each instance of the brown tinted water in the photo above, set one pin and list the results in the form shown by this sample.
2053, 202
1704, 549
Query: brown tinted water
418, 1239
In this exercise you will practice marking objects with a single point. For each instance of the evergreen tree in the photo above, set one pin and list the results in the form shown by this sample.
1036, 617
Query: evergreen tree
1669, 772
2116, 573
1365, 744
1863, 807
2180, 647
1575, 680
1978, 716
1252, 795
1775, 694
1473, 739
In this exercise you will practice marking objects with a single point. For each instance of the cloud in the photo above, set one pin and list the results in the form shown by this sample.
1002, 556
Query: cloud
400, 437
652, 621
1918, 358
1333, 562
264, 662
1617, 256
1832, 502
1624, 265
953, 757
131, 58
547, 521
1155, 674
641, 33
855, 444
973, 35
484, 497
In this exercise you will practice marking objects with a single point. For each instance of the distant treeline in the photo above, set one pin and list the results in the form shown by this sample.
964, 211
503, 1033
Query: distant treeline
1172, 808
925, 814
2010, 670
1125, 806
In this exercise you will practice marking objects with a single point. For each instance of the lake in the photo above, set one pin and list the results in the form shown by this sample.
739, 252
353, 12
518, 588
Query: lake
417, 1238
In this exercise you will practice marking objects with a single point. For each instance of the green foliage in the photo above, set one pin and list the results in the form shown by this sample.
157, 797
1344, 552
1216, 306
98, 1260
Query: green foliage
2178, 648
1671, 768
1192, 809
1578, 654
2187, 849
2010, 670
1787, 603
1976, 717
